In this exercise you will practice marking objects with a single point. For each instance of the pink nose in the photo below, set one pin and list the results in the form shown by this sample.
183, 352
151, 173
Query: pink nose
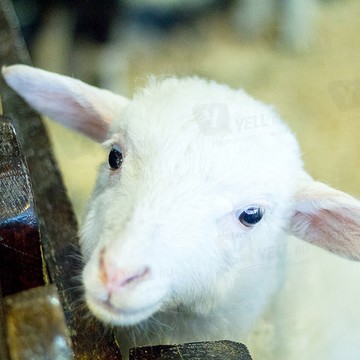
115, 278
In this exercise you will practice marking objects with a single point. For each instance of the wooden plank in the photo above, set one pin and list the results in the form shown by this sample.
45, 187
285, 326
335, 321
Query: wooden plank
36, 325
216, 350
56, 219
21, 263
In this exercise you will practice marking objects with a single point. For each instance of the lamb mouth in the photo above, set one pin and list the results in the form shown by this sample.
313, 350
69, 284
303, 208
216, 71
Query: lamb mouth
119, 316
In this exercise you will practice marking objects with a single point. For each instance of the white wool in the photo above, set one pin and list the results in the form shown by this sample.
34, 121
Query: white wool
167, 259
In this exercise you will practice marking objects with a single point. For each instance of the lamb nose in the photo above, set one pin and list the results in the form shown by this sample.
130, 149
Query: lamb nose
114, 277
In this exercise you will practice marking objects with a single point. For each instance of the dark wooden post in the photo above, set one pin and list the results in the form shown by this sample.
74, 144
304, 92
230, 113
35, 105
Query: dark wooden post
33, 324
217, 350
21, 265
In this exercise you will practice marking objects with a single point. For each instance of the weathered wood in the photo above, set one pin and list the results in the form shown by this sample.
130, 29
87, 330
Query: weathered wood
217, 350
21, 263
36, 325
56, 219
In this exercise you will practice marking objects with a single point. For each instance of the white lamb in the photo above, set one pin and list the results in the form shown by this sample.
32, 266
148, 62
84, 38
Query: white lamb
188, 233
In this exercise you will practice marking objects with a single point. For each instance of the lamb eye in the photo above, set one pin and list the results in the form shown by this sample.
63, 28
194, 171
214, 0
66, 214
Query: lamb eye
251, 216
115, 157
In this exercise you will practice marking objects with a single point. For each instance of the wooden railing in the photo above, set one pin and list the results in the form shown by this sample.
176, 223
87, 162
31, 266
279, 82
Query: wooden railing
40, 313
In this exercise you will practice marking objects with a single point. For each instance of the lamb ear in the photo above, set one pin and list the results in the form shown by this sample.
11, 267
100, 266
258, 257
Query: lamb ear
327, 218
71, 102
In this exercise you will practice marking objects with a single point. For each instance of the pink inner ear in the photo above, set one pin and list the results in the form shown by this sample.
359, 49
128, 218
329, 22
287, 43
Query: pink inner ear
71, 102
74, 113
336, 230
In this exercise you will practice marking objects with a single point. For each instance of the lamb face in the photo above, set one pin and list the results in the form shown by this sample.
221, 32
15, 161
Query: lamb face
164, 227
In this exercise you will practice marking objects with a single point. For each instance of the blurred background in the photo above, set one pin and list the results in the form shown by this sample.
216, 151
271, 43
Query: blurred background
300, 56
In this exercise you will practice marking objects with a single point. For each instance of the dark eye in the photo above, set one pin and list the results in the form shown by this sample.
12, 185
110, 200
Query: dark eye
251, 216
115, 157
